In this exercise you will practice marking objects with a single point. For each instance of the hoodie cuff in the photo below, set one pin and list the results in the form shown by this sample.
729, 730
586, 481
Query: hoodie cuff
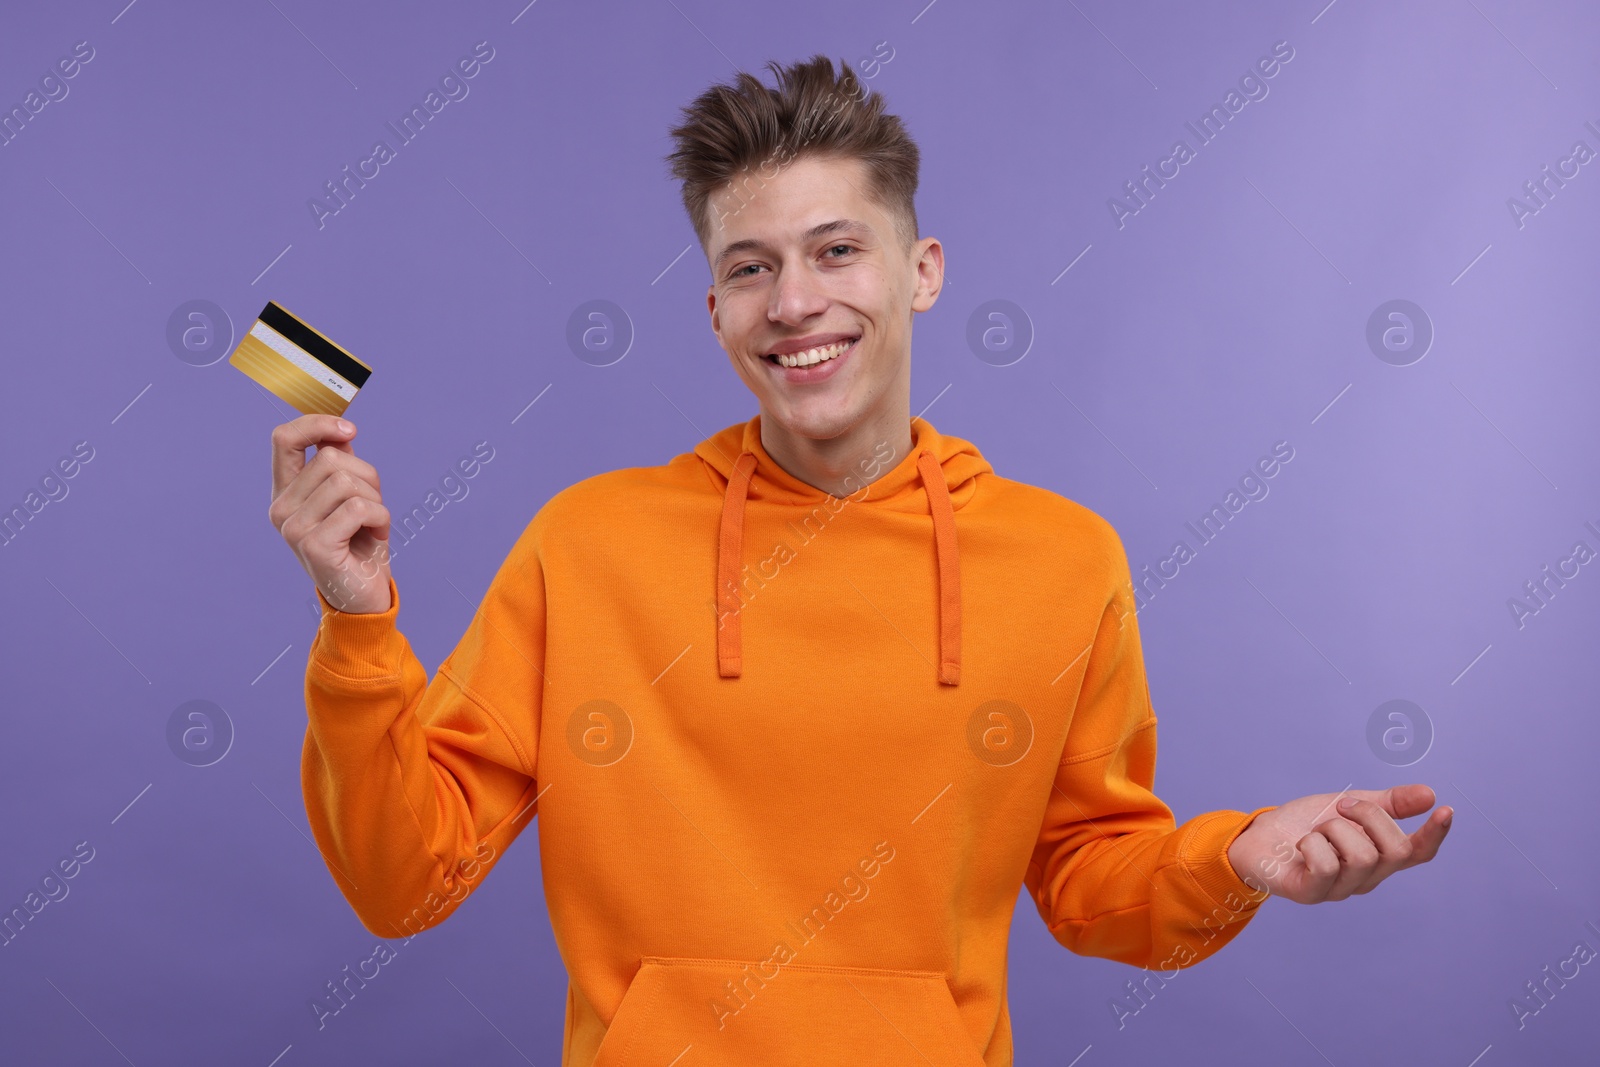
359, 646
1204, 854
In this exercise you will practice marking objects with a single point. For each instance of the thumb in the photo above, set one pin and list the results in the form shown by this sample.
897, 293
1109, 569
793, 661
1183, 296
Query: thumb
1404, 801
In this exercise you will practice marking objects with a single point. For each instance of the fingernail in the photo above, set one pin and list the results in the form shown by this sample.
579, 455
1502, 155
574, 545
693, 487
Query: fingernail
345, 427
1347, 803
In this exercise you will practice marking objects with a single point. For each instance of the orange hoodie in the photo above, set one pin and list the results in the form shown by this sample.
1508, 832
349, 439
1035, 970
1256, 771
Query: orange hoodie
792, 758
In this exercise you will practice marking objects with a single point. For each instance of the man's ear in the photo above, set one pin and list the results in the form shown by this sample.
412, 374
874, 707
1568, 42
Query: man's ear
711, 307
930, 274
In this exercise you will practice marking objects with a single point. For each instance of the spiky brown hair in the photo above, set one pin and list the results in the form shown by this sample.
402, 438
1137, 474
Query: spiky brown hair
749, 132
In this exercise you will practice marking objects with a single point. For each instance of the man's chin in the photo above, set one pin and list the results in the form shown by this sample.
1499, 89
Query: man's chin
814, 421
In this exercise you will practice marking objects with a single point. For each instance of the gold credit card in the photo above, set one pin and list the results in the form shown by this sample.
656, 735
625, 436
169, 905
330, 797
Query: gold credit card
298, 364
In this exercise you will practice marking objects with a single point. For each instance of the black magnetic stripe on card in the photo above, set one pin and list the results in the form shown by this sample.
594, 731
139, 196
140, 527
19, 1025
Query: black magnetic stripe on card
318, 346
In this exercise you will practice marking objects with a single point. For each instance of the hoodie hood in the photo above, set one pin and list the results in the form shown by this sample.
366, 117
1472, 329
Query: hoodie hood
937, 478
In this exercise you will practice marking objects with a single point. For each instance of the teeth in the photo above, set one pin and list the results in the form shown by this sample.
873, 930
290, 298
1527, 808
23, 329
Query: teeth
814, 355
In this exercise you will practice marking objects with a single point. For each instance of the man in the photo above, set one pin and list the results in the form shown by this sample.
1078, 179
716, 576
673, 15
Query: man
792, 828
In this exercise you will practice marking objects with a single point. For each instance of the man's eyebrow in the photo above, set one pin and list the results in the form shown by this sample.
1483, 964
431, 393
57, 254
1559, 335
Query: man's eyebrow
822, 229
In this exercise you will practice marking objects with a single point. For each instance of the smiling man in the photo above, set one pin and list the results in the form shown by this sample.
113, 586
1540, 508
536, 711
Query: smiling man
813, 286
791, 829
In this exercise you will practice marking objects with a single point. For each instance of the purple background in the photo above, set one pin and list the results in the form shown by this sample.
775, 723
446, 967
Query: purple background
1229, 314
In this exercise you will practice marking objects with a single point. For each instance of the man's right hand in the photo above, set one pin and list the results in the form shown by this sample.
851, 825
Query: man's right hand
331, 512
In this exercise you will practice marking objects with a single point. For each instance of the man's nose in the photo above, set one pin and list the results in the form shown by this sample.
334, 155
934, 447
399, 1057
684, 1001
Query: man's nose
796, 296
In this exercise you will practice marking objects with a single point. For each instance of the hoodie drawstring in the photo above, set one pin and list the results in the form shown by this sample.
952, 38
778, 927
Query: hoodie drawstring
944, 535
730, 556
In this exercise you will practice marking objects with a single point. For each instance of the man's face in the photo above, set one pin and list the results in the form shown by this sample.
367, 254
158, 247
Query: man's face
803, 258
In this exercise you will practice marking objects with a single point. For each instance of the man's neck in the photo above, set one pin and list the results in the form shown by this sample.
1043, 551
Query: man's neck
837, 465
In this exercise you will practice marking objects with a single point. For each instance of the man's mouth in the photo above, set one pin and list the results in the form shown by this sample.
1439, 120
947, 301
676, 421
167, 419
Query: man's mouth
812, 356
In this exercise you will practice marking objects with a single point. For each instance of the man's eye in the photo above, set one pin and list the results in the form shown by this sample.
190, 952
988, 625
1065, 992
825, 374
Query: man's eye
740, 273
847, 248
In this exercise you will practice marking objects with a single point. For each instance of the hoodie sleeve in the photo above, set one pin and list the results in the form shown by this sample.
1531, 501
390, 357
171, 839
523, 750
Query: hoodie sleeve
413, 788
1112, 874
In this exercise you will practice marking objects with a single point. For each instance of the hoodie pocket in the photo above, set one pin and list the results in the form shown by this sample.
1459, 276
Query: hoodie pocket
700, 1012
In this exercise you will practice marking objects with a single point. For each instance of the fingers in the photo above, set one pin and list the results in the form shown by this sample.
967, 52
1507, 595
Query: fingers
1368, 846
291, 439
347, 584
1407, 801
345, 520
1322, 867
1391, 844
335, 485
1361, 864
1429, 836
346, 471
1404, 801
